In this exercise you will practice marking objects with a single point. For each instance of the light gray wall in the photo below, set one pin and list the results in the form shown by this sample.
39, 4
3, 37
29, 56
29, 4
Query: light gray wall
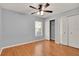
18, 28
0, 26
57, 29
57, 18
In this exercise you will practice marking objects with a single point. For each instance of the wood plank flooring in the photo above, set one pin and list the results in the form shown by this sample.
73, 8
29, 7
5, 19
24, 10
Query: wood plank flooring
41, 48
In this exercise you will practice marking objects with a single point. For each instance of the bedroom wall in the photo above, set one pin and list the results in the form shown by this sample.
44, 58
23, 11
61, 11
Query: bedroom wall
0, 26
57, 17
18, 28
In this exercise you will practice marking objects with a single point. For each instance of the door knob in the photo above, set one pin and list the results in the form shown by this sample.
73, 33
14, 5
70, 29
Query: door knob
64, 32
70, 32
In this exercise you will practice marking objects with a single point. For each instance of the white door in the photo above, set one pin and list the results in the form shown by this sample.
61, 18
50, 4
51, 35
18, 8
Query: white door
64, 29
74, 31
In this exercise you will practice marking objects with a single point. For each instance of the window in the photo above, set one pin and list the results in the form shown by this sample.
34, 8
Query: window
38, 28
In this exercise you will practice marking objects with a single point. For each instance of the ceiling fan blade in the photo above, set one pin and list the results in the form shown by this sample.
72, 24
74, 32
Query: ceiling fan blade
40, 7
48, 11
32, 7
47, 4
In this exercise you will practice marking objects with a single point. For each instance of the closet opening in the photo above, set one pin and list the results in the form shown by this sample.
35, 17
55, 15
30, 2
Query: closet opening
52, 30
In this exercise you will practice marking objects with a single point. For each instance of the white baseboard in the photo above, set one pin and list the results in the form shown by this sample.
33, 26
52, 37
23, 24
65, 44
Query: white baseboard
20, 44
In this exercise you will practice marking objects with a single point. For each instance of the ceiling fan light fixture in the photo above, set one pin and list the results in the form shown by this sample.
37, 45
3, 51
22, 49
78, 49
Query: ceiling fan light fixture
42, 13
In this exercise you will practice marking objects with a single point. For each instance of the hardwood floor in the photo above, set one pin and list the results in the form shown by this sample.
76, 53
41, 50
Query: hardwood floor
41, 48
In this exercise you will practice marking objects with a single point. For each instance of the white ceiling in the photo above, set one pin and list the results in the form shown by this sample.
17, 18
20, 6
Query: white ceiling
24, 7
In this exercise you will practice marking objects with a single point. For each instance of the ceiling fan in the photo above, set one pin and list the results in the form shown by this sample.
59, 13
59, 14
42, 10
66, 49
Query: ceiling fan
41, 9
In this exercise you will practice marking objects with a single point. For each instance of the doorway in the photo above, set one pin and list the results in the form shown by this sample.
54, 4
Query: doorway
52, 30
